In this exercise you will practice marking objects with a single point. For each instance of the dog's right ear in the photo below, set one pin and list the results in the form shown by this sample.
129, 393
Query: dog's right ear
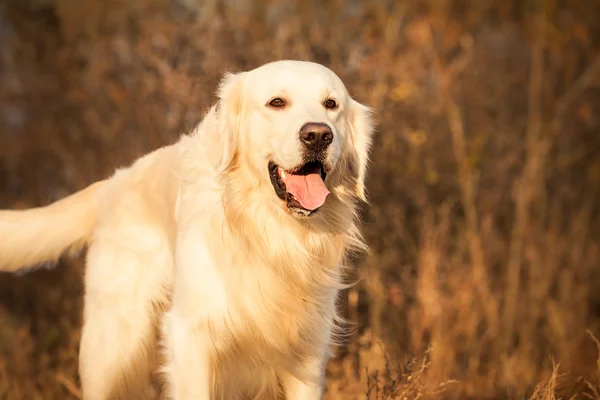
229, 114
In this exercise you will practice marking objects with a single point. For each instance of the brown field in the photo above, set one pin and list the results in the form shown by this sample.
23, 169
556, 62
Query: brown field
483, 280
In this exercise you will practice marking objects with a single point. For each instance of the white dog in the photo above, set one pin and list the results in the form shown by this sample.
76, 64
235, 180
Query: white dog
228, 245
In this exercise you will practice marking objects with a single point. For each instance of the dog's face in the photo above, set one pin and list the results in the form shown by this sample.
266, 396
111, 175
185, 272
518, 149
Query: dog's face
295, 126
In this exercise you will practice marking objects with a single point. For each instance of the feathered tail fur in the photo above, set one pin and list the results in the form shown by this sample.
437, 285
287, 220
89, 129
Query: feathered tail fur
40, 235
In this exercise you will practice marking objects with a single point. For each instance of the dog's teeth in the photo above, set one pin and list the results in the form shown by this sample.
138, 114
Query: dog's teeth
282, 172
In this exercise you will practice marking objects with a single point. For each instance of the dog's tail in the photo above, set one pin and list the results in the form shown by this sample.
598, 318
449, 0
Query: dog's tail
37, 236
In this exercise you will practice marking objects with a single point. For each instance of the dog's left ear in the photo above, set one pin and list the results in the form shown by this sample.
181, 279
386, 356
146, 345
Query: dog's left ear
361, 131
229, 114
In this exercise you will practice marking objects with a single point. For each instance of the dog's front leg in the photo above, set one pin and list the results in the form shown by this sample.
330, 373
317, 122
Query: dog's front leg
310, 388
198, 305
188, 369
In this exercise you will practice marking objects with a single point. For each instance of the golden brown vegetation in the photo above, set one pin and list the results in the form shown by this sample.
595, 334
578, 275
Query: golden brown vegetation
484, 225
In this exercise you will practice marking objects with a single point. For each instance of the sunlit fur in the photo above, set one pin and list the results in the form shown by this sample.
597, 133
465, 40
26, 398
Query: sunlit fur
191, 244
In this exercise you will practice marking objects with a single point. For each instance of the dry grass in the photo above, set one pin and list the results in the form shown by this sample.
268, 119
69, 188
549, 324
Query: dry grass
485, 185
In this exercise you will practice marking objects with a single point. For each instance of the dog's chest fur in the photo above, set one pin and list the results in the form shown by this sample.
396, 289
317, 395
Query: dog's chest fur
276, 316
275, 311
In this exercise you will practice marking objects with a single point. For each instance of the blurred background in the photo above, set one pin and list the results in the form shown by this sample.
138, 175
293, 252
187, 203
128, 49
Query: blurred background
484, 224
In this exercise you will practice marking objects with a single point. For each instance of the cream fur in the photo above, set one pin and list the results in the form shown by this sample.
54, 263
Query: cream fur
190, 244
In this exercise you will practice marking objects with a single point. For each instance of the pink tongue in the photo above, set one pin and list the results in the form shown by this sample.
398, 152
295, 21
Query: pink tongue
309, 190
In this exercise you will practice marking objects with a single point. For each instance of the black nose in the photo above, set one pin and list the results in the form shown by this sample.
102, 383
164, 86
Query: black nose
316, 136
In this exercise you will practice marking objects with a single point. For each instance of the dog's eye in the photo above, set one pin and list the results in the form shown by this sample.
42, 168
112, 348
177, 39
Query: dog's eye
277, 103
330, 104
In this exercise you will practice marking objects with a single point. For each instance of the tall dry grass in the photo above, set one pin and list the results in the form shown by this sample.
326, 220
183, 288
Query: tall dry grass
484, 217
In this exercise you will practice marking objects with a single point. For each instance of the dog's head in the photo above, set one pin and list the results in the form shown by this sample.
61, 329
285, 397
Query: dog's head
296, 129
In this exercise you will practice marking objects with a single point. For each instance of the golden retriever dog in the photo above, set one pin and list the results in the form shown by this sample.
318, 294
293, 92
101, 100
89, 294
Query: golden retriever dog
217, 260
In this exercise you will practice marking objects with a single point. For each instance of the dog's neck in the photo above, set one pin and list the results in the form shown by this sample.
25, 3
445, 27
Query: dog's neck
316, 245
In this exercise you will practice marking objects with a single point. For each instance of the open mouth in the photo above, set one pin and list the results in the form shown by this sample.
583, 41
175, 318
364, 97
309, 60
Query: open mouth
303, 189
